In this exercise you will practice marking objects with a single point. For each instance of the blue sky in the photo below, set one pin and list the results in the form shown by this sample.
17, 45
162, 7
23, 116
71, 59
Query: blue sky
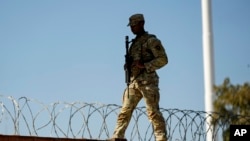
65, 50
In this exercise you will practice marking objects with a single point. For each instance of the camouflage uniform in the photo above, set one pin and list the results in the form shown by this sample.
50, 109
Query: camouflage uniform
144, 84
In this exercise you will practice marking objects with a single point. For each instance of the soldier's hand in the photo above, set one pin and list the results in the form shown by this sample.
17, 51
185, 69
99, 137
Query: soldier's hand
139, 65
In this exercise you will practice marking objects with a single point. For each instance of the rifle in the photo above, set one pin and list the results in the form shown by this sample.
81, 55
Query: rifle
128, 61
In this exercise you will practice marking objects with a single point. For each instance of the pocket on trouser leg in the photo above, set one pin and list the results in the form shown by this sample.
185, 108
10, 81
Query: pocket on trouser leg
151, 95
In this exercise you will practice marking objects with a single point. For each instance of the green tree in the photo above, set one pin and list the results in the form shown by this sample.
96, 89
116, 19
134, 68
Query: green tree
232, 106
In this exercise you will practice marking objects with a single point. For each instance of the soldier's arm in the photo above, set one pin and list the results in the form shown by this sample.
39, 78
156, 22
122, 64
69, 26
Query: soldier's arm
160, 56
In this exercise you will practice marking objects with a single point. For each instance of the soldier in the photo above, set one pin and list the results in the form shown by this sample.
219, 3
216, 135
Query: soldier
147, 55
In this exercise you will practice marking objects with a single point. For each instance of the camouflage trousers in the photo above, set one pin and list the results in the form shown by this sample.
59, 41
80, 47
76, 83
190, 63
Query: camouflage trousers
150, 94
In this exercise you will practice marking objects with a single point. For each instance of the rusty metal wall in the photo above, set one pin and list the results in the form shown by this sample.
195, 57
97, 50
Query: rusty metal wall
34, 138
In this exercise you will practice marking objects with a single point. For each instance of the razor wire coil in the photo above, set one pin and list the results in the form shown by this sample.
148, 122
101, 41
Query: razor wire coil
24, 116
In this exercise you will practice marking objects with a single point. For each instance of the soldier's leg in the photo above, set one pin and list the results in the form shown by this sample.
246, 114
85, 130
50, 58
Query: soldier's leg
129, 103
151, 97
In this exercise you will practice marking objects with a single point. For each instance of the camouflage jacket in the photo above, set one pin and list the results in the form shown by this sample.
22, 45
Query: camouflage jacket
149, 51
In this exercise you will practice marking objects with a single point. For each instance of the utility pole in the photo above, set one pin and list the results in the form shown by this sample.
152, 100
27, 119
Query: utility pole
208, 62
